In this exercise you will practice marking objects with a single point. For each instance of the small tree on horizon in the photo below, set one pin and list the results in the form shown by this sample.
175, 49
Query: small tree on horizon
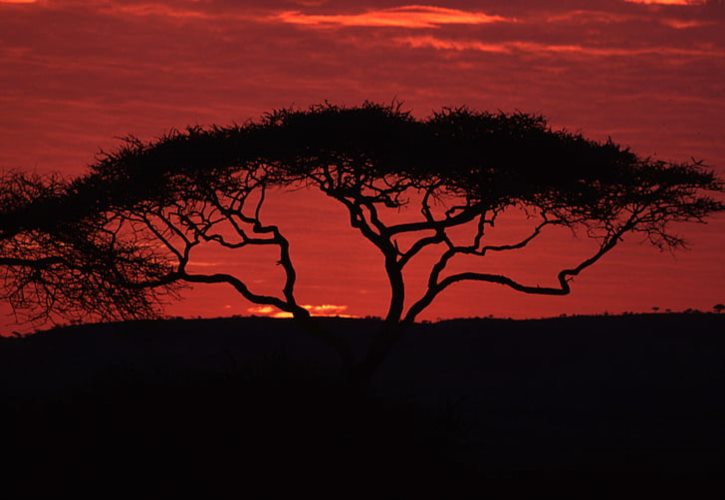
462, 169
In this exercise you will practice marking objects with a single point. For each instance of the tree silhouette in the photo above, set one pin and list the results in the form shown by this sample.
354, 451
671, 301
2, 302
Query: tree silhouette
151, 204
475, 166
57, 262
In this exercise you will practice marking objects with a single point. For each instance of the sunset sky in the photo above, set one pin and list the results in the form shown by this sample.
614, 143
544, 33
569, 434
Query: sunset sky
76, 75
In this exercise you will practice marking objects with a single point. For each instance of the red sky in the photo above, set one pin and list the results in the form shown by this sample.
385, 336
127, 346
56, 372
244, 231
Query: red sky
651, 74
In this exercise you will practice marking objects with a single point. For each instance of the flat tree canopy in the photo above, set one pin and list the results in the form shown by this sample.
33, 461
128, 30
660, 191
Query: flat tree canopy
147, 205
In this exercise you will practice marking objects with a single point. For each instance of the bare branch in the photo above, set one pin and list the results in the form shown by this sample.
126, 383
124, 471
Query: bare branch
436, 286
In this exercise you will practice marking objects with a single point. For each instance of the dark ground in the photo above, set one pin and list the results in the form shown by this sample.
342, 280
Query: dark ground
586, 407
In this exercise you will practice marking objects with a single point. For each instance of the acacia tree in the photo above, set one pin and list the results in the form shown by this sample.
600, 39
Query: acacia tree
59, 263
464, 169
158, 201
127, 233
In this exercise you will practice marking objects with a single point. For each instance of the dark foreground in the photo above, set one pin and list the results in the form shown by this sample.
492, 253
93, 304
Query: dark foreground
603, 407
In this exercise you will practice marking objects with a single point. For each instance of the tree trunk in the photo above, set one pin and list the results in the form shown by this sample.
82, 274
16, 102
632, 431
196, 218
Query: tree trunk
333, 340
361, 374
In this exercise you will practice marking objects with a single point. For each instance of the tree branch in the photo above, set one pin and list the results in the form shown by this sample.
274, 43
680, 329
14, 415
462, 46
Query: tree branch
563, 278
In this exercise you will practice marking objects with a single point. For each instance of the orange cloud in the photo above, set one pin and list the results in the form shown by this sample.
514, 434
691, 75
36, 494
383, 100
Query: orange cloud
18, 1
324, 310
417, 42
264, 310
533, 47
410, 16
682, 24
155, 9
593, 16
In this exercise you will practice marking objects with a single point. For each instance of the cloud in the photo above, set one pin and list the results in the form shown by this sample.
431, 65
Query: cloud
264, 310
202, 263
158, 10
536, 47
406, 16
409, 16
589, 16
683, 24
18, 1
324, 310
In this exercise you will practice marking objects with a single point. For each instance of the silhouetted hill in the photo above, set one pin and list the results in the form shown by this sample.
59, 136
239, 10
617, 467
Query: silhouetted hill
587, 407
